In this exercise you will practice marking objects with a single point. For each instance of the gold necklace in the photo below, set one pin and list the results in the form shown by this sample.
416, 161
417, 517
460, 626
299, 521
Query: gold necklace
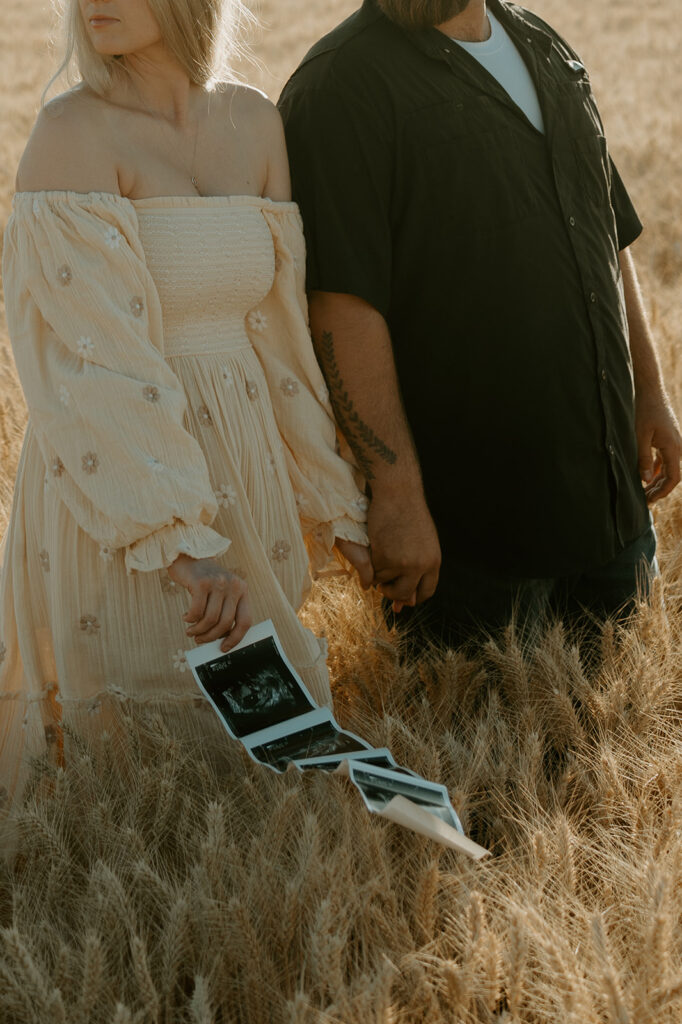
193, 177
191, 171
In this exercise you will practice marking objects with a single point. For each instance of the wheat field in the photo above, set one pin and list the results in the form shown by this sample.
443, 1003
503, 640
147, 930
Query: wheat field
160, 879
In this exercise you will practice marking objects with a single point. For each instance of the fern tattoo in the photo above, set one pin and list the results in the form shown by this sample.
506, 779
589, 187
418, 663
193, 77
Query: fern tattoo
359, 435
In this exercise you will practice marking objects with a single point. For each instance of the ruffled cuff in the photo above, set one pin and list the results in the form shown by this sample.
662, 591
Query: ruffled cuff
320, 540
161, 548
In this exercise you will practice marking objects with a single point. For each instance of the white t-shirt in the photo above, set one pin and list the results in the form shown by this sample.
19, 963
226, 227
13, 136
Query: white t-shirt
502, 60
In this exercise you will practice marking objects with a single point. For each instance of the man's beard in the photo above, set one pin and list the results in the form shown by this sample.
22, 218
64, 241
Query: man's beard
421, 13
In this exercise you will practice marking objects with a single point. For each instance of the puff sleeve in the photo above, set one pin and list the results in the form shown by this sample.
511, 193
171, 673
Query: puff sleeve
85, 323
328, 488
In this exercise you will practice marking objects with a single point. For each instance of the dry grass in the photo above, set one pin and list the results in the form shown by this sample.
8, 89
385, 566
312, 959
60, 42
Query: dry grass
165, 880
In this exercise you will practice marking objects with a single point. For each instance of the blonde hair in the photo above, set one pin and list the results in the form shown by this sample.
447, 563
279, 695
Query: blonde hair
205, 37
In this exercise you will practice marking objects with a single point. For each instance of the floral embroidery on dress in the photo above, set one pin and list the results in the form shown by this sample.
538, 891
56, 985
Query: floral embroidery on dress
281, 549
169, 586
289, 387
226, 495
95, 707
44, 558
64, 275
151, 393
51, 734
90, 462
361, 502
57, 466
106, 553
64, 394
154, 464
85, 347
112, 237
228, 376
89, 624
204, 416
3, 652
251, 390
137, 305
180, 660
257, 321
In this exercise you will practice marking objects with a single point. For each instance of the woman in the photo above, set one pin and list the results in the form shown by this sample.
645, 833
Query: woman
179, 434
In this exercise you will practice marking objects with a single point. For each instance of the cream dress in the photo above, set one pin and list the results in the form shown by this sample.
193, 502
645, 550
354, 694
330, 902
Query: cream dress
175, 405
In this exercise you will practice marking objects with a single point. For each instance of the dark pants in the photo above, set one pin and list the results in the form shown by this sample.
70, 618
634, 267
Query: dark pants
470, 602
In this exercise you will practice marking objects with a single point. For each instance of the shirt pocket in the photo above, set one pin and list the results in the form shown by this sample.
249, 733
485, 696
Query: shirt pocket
470, 156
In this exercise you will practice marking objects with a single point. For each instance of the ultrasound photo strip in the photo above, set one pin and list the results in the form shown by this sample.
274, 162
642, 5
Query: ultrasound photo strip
252, 687
380, 757
379, 785
263, 702
413, 803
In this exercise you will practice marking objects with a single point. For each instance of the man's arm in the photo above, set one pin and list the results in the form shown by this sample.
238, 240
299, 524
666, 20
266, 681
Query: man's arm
353, 345
658, 432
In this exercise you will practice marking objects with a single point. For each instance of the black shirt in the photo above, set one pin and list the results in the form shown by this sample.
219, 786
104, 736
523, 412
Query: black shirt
492, 252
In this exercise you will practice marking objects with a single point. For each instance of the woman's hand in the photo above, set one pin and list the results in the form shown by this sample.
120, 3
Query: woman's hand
358, 556
220, 604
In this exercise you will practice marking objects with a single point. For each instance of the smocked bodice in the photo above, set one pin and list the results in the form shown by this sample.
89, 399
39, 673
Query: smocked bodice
211, 263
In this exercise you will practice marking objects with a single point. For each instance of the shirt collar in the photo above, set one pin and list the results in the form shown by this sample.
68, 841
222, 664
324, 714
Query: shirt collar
517, 22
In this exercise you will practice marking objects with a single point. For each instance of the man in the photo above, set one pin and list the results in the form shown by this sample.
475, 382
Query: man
475, 309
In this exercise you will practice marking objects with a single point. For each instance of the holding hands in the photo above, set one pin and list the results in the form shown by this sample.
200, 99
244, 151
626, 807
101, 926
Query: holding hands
403, 559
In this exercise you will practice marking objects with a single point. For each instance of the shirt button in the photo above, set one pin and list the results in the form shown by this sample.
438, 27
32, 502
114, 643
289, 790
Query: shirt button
445, 50
603, 375
612, 450
571, 221
593, 296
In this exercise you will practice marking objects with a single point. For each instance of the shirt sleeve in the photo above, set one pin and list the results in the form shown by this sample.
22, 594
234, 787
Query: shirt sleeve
340, 153
326, 486
85, 323
628, 224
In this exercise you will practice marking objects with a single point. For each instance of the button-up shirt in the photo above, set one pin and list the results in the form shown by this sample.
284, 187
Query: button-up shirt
492, 252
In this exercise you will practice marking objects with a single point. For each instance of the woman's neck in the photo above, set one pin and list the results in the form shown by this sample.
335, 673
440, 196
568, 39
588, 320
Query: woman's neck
156, 83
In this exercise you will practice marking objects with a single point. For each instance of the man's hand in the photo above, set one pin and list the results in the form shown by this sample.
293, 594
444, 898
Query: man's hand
658, 432
404, 548
660, 446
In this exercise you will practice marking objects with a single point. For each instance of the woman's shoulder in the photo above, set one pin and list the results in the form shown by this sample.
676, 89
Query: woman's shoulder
255, 119
67, 148
248, 110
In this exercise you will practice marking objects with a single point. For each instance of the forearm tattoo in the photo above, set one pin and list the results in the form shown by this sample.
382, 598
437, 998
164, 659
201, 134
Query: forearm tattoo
362, 439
